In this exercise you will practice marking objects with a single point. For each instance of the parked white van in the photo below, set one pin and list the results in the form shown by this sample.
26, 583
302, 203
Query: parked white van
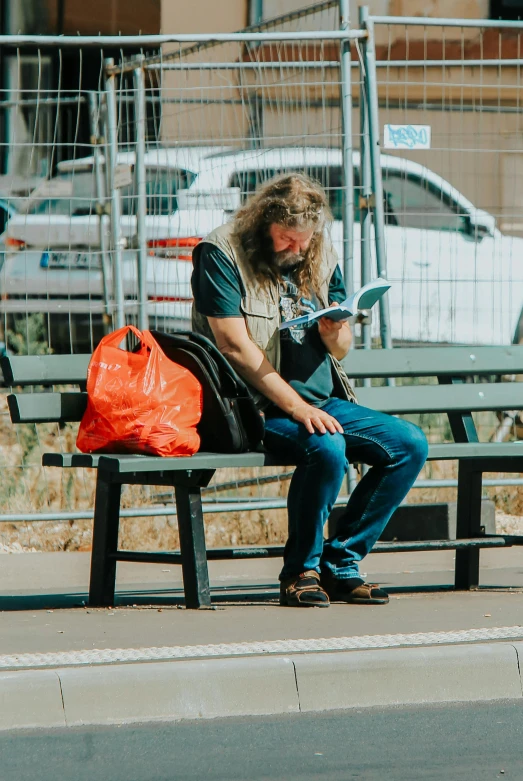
53, 265
456, 278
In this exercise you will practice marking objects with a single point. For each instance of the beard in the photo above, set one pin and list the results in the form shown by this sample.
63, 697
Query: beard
285, 260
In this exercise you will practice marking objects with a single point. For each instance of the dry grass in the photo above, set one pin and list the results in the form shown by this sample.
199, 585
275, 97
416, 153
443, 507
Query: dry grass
29, 489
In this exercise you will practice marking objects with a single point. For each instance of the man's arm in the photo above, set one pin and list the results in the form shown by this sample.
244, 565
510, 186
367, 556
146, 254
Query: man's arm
336, 337
233, 341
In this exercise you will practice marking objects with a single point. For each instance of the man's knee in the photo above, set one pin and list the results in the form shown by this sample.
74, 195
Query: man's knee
414, 443
329, 450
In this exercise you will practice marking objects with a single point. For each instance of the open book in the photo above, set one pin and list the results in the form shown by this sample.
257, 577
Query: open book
364, 298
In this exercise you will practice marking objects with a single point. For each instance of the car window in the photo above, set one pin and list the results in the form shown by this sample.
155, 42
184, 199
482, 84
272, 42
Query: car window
161, 188
81, 203
328, 175
161, 185
411, 202
4, 216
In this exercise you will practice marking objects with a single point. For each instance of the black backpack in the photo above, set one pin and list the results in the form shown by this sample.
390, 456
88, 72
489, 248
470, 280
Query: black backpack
230, 421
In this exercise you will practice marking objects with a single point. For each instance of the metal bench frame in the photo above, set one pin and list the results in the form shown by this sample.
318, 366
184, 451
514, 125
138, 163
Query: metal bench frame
458, 398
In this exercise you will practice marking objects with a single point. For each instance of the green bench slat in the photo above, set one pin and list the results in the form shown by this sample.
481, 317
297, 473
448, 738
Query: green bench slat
434, 361
46, 407
409, 399
474, 397
471, 450
132, 463
74, 460
399, 362
45, 369
123, 464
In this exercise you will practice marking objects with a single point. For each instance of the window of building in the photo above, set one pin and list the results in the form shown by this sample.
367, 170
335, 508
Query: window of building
506, 9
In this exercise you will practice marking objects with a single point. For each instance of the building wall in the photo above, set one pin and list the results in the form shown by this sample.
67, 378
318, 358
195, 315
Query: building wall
28, 74
457, 9
465, 9
473, 112
480, 152
112, 17
203, 16
107, 17
190, 112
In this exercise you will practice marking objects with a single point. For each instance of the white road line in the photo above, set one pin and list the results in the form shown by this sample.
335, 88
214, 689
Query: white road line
365, 642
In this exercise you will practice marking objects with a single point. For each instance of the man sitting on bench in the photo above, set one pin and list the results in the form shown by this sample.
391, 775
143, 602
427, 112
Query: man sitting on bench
274, 262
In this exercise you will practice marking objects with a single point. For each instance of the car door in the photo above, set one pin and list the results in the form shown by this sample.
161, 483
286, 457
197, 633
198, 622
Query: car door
5, 213
438, 274
169, 266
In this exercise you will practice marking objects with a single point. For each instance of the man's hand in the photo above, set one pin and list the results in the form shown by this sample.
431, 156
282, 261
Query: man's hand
234, 342
314, 418
336, 336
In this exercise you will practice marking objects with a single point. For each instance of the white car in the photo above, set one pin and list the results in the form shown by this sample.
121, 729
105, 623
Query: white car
53, 260
456, 278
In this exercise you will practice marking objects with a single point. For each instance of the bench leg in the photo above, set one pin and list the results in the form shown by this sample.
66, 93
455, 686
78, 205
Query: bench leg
105, 542
192, 547
468, 524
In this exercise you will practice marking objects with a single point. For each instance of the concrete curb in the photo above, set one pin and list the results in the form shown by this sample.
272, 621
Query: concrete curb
259, 685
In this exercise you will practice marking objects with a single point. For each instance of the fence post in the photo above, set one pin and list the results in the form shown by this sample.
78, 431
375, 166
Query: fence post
256, 12
141, 197
116, 205
365, 203
347, 175
96, 141
371, 93
347, 165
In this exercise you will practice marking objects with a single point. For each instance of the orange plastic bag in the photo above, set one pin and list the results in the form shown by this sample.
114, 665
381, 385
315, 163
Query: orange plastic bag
139, 402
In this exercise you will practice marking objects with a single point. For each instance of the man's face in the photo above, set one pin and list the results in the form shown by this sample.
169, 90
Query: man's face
289, 245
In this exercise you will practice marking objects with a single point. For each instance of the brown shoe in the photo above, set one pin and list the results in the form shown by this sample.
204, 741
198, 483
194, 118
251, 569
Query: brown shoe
303, 591
360, 594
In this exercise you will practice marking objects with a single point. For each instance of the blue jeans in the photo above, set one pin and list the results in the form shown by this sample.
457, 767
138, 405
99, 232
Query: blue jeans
395, 449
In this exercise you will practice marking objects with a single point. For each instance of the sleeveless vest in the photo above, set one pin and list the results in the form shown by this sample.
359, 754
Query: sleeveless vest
260, 306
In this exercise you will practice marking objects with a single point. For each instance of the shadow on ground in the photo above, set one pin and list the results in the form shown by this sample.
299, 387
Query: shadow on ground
221, 596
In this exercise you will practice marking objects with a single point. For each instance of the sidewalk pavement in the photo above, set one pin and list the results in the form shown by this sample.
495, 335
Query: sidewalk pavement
62, 663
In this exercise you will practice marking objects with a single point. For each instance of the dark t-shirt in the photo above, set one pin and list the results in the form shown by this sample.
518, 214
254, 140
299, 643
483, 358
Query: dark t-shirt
305, 364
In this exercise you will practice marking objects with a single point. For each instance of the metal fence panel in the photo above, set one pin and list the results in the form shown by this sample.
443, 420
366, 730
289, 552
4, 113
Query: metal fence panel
68, 247
453, 210
211, 120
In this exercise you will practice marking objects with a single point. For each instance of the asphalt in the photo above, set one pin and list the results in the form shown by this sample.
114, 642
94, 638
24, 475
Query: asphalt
148, 658
460, 742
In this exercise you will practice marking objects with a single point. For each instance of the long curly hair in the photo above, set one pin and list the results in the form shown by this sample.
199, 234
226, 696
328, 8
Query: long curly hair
293, 201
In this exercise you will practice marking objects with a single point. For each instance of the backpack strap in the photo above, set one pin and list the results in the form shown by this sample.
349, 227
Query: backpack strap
178, 340
239, 387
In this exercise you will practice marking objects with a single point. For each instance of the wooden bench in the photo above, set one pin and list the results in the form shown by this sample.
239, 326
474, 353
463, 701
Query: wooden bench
456, 395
